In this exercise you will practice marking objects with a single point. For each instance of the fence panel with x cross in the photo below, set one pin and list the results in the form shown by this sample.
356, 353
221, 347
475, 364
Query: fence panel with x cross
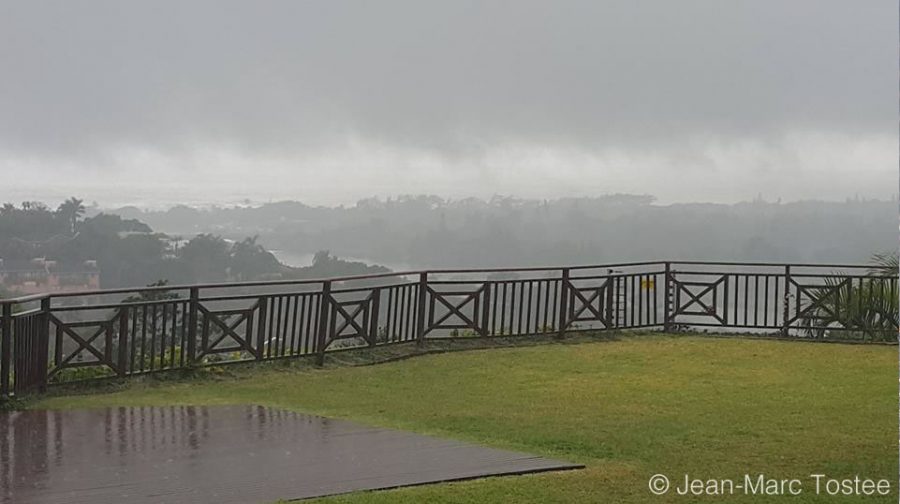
55, 338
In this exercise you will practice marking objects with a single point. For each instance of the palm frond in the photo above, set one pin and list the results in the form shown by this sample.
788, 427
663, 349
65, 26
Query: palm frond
865, 306
885, 264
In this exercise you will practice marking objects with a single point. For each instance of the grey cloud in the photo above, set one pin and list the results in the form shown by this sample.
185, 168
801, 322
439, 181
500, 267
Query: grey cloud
452, 79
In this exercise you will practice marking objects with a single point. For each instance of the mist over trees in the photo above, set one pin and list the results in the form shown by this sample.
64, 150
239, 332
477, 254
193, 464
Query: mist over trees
129, 253
133, 247
428, 231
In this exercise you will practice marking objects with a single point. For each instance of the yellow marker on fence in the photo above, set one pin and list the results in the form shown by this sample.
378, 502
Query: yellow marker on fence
648, 284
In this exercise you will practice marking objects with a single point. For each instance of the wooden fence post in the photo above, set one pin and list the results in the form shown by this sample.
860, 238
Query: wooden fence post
486, 308
373, 317
611, 286
5, 353
667, 294
322, 323
193, 308
122, 342
785, 325
261, 328
563, 304
44, 342
420, 308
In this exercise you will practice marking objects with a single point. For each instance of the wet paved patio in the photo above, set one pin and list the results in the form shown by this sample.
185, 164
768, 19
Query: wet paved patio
223, 454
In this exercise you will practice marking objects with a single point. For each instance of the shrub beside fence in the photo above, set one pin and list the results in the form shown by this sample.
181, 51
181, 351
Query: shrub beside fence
61, 338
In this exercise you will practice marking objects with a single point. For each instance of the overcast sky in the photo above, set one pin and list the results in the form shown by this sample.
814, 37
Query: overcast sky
330, 101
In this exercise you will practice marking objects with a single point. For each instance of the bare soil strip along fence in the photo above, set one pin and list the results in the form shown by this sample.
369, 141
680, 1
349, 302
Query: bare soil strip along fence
63, 338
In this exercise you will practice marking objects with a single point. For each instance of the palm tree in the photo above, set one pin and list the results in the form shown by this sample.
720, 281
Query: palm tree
71, 209
885, 264
867, 306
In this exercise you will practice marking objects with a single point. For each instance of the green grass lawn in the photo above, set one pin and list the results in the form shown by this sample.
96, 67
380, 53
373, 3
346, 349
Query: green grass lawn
628, 409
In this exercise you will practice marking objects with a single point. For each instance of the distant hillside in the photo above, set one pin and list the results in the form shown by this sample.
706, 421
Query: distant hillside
430, 231
39, 245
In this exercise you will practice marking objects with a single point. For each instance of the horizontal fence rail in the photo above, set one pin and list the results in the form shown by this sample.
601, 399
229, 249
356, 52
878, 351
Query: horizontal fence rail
69, 337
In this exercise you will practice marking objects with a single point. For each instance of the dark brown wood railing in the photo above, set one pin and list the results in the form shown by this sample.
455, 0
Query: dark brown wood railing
67, 337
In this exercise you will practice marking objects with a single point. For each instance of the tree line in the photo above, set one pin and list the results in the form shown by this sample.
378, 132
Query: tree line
129, 253
428, 231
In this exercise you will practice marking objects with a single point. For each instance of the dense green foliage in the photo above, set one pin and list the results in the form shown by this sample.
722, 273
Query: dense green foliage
710, 407
129, 253
865, 307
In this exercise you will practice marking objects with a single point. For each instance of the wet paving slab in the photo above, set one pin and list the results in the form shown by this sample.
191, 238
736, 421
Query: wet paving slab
224, 454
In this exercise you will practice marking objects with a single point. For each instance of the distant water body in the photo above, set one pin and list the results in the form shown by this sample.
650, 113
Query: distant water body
300, 260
